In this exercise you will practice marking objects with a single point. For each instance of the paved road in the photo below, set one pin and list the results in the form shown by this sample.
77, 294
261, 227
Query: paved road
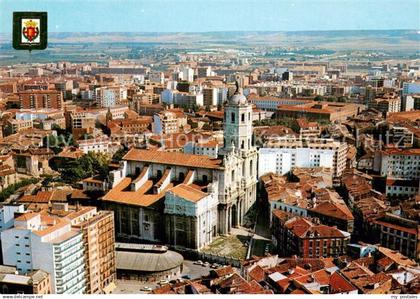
196, 271
134, 287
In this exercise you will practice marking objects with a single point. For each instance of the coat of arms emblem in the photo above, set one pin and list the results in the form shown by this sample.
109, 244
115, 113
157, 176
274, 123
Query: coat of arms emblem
30, 30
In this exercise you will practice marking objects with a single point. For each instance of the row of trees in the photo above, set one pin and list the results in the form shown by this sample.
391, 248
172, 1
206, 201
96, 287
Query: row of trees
8, 191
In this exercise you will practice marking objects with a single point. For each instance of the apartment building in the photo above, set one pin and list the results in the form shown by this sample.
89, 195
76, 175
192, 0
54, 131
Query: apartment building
35, 282
401, 167
399, 234
16, 125
320, 111
40, 99
386, 105
75, 245
99, 241
109, 96
280, 155
165, 123
306, 237
100, 144
308, 129
271, 103
38, 242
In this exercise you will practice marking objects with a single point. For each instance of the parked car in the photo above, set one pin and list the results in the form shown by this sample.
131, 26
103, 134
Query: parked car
186, 276
206, 264
163, 281
146, 289
199, 262
215, 266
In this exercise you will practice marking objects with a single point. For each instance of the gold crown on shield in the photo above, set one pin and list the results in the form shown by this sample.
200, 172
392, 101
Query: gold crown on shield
31, 23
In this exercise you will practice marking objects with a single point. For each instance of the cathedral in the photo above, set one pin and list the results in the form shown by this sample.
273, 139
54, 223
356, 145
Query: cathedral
185, 200
237, 190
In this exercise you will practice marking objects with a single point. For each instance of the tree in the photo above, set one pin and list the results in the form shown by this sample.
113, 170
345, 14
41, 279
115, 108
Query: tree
319, 98
117, 157
88, 165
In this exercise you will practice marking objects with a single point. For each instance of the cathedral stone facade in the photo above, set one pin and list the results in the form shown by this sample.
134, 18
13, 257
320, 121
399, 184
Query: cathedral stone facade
186, 200
238, 186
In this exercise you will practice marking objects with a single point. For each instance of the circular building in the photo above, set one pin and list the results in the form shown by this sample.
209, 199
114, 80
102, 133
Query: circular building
147, 262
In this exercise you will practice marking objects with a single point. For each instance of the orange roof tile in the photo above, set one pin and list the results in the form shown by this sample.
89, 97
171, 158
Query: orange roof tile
335, 210
26, 216
138, 198
188, 193
173, 158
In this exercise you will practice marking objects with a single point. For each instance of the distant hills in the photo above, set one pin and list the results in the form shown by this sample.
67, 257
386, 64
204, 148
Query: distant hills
403, 40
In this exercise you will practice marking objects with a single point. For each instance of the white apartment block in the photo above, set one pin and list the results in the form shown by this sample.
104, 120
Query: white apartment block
400, 163
282, 154
49, 245
401, 167
99, 144
271, 103
165, 123
109, 96
7, 215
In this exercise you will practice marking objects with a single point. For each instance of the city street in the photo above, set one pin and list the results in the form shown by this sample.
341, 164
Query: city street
135, 287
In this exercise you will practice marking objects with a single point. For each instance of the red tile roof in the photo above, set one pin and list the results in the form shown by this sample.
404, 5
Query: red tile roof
173, 158
335, 210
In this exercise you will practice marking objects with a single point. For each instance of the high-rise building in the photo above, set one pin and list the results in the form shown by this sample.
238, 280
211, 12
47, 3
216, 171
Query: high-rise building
40, 99
99, 240
40, 242
75, 245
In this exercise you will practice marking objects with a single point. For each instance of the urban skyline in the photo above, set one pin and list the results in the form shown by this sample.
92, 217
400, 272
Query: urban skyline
222, 162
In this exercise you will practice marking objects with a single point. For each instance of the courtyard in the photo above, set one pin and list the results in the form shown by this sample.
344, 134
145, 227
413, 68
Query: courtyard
234, 246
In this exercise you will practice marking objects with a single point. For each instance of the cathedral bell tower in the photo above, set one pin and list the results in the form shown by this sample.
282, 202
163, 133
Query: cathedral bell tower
238, 187
237, 123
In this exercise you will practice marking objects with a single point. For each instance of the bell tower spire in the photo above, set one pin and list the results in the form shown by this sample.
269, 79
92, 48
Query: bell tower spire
238, 122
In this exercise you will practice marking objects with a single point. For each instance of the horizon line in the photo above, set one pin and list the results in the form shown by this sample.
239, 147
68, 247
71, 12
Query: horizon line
235, 31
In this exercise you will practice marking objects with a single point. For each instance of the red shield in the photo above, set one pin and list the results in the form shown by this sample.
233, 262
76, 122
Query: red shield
30, 33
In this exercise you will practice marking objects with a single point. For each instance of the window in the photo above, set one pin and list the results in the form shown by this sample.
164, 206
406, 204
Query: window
181, 176
243, 117
232, 117
250, 167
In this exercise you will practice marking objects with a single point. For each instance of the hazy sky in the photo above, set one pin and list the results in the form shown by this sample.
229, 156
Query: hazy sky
217, 15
